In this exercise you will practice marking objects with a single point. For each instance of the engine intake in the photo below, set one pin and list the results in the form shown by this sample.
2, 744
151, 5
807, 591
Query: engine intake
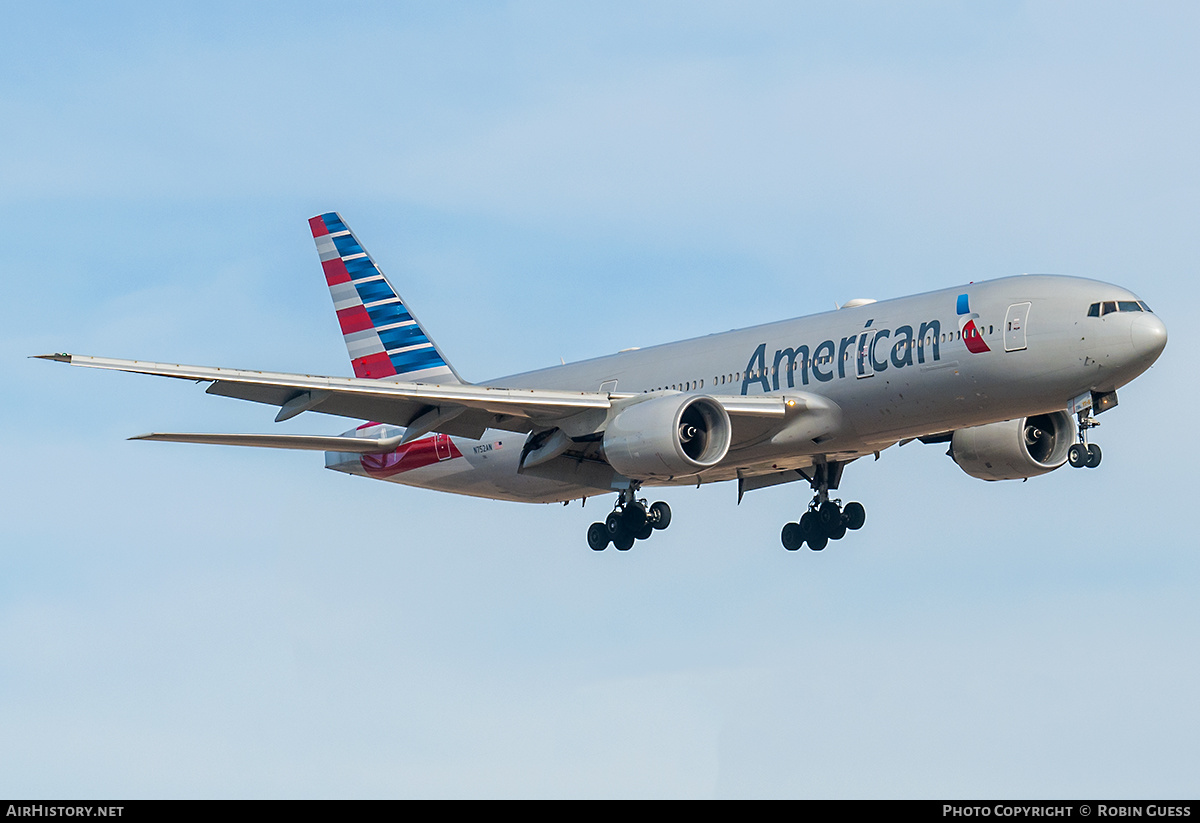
667, 436
1014, 449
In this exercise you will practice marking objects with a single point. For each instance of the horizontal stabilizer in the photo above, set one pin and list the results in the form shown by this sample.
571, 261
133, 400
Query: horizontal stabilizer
310, 442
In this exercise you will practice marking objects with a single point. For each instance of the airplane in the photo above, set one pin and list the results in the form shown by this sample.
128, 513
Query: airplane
1011, 373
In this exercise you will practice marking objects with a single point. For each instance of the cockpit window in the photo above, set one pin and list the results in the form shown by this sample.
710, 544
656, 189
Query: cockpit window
1100, 309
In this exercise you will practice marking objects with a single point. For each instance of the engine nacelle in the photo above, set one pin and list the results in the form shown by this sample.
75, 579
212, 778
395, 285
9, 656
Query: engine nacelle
667, 436
1014, 449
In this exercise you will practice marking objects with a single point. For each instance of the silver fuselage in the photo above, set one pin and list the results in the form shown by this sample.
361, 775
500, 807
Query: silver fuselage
895, 369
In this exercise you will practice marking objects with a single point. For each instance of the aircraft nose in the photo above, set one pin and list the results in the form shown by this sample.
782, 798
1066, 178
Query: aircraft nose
1149, 337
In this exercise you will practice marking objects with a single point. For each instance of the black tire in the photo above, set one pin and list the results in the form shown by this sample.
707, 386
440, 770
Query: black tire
1077, 455
817, 542
810, 525
829, 514
837, 531
792, 536
645, 533
1093, 456
660, 515
855, 515
597, 536
623, 542
613, 524
634, 517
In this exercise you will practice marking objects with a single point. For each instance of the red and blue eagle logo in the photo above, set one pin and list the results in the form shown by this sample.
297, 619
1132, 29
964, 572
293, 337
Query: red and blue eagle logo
971, 334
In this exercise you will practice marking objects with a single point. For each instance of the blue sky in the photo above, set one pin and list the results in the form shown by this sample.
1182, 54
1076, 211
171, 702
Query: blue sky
546, 180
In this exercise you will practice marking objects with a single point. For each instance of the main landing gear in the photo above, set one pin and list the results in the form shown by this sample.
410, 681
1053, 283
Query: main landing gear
1083, 455
630, 520
825, 519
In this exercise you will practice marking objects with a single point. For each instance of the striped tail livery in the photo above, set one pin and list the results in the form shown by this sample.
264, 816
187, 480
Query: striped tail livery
383, 338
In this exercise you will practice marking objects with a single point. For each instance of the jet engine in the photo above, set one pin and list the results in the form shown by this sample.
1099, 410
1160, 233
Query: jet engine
1014, 449
667, 436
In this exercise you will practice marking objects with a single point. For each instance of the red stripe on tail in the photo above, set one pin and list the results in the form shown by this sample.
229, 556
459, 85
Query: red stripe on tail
373, 366
335, 271
353, 319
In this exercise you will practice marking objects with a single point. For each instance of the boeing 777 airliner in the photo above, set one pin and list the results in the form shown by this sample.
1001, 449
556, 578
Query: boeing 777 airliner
1009, 372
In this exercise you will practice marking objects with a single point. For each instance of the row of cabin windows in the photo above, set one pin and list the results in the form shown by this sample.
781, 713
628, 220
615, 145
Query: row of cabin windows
1110, 306
736, 377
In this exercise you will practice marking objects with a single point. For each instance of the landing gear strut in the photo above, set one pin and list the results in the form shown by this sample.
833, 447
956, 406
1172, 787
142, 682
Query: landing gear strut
631, 519
825, 519
1083, 455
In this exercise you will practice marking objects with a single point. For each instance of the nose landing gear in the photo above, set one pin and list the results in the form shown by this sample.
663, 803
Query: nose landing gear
631, 519
1083, 455
825, 519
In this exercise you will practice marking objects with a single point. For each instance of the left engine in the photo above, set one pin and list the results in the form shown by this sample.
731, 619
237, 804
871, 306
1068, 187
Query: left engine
667, 436
1014, 449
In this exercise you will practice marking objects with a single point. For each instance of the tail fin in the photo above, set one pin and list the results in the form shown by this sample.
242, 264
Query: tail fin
382, 336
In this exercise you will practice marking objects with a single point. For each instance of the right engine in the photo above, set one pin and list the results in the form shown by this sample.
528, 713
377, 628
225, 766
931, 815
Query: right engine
1014, 449
667, 436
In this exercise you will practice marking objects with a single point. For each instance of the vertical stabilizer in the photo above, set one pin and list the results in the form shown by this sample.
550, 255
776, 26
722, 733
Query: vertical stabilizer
382, 336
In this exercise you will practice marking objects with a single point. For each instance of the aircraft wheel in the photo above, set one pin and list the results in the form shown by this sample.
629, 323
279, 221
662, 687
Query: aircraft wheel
613, 524
792, 536
818, 541
837, 531
1077, 455
829, 514
1093, 456
633, 518
645, 533
855, 516
623, 542
660, 515
597, 536
809, 525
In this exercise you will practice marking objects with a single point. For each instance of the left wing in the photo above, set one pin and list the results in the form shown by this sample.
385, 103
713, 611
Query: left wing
462, 410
